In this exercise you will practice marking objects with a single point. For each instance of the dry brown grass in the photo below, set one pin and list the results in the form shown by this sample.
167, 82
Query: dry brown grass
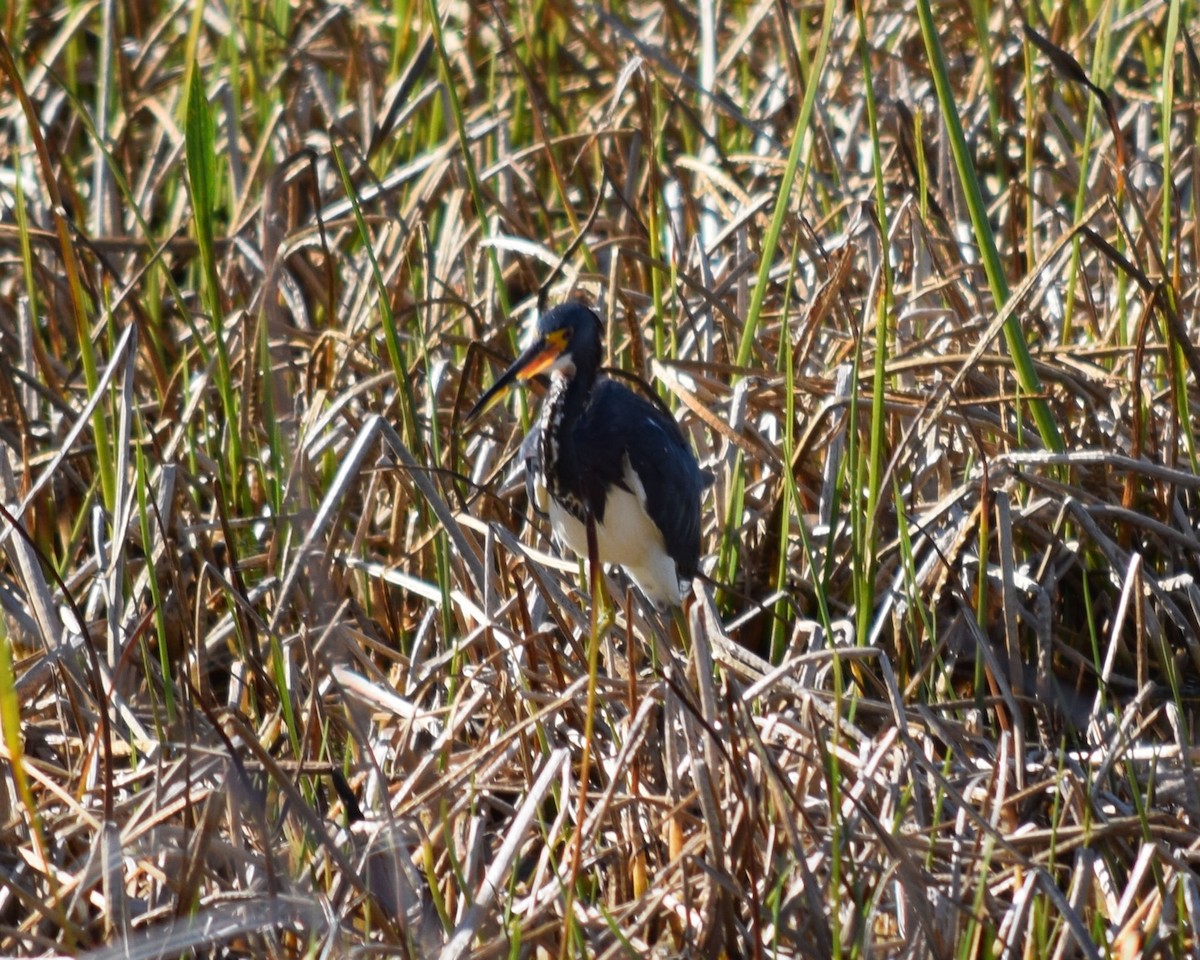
288, 666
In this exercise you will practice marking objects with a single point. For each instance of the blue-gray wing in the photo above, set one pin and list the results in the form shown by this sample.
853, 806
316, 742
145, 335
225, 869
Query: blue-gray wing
618, 423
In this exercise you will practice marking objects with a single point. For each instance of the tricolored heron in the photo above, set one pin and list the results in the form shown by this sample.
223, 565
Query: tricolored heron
600, 451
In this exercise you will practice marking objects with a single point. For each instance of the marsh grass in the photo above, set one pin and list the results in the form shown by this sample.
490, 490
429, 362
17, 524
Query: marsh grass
289, 667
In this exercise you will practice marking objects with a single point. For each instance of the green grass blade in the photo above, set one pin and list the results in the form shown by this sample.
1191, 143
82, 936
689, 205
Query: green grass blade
200, 143
783, 196
1014, 337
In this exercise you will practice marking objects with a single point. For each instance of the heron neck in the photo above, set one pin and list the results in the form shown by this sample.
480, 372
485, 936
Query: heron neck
568, 396
563, 406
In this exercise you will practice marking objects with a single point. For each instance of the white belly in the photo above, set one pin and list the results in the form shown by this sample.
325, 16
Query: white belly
627, 537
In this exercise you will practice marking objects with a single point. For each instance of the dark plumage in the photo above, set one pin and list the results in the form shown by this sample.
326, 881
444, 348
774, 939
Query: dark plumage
598, 448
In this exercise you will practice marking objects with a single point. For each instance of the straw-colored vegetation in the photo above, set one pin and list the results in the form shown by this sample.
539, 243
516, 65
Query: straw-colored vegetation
290, 668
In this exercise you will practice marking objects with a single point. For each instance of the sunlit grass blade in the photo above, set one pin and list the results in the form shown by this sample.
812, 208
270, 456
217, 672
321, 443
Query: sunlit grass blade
200, 139
1014, 336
